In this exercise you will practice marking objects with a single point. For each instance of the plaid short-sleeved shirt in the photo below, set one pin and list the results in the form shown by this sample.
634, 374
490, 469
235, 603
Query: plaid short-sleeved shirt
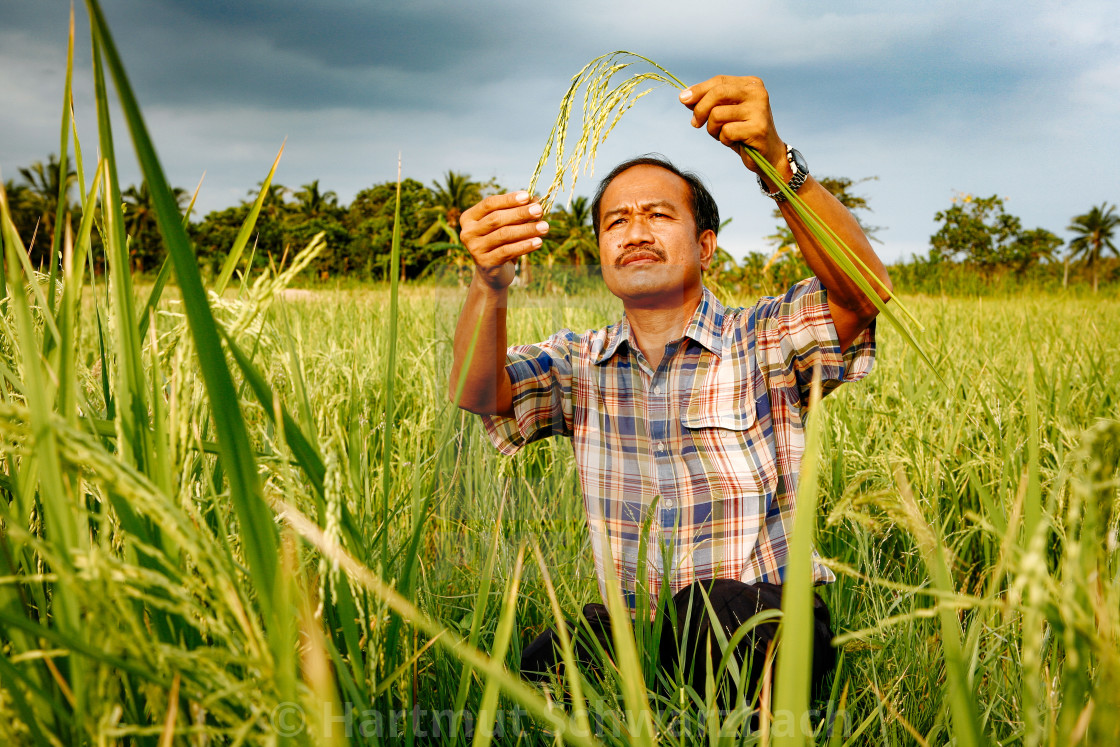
703, 453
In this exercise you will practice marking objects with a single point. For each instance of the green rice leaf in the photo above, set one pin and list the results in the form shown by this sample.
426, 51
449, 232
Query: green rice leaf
486, 712
795, 650
246, 231
164, 273
258, 531
63, 180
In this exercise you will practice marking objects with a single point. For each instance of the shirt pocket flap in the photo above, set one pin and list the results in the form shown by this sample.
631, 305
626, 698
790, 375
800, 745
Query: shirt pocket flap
730, 419
723, 396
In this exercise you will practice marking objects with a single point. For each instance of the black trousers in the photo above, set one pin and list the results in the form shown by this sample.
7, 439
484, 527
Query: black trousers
733, 602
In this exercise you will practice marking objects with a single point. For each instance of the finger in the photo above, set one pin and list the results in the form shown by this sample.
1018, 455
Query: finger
733, 91
506, 236
745, 132
509, 216
513, 251
495, 202
721, 116
694, 93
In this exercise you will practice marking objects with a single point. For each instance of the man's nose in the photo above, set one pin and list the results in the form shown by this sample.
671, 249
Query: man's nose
637, 232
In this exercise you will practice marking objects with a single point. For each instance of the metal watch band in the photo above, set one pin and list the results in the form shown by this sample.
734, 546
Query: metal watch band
794, 184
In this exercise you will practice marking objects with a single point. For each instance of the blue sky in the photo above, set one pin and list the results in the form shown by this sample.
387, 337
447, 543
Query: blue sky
1016, 98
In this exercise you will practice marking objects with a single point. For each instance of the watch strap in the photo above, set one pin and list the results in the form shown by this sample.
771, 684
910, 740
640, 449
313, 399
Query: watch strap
794, 184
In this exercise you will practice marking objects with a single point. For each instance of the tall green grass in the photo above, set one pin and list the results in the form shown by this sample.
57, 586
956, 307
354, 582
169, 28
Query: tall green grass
251, 518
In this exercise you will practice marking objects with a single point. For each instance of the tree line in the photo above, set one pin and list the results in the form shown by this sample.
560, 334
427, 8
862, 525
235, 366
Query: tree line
975, 234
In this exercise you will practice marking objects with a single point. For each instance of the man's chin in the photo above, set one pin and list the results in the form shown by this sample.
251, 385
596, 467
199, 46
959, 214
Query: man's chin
652, 283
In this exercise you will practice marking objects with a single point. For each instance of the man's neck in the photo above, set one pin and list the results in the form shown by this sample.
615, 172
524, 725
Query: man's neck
653, 327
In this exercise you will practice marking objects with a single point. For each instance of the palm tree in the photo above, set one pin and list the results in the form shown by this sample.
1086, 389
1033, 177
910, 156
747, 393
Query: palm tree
18, 196
140, 224
274, 199
449, 200
1094, 231
45, 183
572, 228
311, 202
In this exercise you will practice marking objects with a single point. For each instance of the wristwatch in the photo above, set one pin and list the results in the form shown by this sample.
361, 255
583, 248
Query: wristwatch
800, 174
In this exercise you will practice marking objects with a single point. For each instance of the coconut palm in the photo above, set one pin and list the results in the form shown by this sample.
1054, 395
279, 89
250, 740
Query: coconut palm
312, 203
1095, 230
140, 224
450, 198
275, 199
572, 229
46, 182
18, 196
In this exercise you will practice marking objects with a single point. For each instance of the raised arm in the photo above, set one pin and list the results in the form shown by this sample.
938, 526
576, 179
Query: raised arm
495, 231
736, 111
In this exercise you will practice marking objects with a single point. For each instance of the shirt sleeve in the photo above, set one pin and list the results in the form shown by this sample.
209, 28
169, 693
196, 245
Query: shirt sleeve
541, 376
795, 334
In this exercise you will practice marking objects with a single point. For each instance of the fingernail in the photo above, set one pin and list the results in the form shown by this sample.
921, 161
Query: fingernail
542, 227
535, 210
522, 196
686, 94
536, 242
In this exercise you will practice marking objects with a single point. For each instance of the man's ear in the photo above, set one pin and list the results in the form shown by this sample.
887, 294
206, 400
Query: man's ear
707, 248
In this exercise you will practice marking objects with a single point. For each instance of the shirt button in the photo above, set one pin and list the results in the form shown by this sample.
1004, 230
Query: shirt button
667, 503
660, 446
657, 390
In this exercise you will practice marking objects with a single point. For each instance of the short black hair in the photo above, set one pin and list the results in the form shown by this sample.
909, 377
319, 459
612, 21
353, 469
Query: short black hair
704, 210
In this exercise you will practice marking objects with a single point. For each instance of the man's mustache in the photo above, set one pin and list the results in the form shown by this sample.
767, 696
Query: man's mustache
660, 253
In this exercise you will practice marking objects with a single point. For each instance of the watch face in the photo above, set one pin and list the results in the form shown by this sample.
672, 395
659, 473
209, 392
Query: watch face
798, 161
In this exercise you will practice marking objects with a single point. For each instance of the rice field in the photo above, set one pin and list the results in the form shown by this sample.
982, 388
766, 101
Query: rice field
234, 514
171, 627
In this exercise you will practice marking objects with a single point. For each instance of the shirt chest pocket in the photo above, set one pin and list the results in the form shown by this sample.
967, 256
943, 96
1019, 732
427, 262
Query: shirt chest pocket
733, 441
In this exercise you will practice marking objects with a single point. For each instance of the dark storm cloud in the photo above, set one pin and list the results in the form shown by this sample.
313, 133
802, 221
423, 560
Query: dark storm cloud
426, 55
287, 55
410, 36
932, 97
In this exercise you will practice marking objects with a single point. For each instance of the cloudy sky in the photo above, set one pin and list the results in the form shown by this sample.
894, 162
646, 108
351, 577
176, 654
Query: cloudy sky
1016, 98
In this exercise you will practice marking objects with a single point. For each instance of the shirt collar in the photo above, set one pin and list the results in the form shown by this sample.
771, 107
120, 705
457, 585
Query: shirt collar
705, 327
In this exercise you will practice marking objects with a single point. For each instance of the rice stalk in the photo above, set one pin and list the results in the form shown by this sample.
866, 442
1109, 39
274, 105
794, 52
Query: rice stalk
246, 230
63, 160
514, 688
795, 652
602, 108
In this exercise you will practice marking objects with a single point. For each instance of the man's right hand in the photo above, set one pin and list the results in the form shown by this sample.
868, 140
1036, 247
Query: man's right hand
498, 230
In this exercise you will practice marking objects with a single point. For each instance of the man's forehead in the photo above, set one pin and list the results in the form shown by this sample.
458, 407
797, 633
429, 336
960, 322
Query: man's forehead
654, 185
620, 207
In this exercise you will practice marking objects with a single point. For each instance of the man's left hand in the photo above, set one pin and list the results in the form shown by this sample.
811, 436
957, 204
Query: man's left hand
736, 110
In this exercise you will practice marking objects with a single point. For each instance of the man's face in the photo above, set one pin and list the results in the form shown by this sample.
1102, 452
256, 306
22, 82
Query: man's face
647, 238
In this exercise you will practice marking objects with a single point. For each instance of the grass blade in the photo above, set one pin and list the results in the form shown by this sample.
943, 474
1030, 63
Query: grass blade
246, 231
512, 685
258, 531
486, 712
164, 273
795, 651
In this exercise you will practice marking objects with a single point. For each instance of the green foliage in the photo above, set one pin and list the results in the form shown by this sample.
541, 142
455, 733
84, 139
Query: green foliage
370, 221
980, 231
571, 237
38, 204
311, 202
145, 246
841, 188
217, 232
449, 199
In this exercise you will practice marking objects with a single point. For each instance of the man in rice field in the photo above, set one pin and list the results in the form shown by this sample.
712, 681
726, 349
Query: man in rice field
687, 418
